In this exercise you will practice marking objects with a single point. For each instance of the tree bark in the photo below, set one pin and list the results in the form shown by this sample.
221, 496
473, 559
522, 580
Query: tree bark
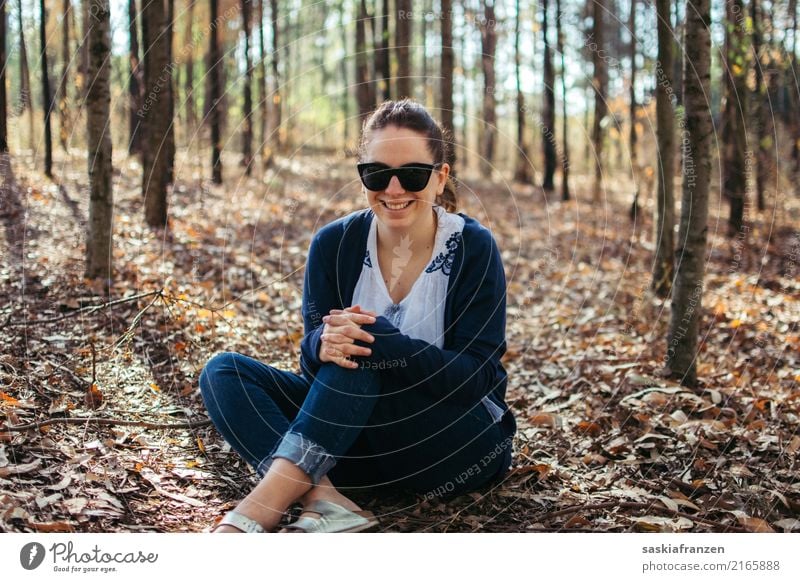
523, 171
383, 70
275, 130
663, 265
734, 110
402, 42
600, 86
47, 96
632, 105
548, 108
155, 111
364, 88
64, 128
794, 123
134, 83
447, 71
262, 90
690, 253
214, 64
169, 143
763, 130
565, 153
247, 136
488, 26
99, 242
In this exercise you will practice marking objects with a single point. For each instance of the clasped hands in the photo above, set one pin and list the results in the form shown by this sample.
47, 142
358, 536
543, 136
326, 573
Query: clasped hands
342, 328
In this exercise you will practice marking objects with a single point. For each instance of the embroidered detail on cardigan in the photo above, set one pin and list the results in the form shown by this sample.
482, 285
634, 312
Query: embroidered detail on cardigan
367, 260
444, 261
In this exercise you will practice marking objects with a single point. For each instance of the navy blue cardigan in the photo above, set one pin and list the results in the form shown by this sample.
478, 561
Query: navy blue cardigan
468, 366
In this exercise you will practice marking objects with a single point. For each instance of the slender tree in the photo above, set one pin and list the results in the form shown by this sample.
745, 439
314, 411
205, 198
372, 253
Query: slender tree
691, 249
64, 128
632, 108
188, 82
99, 254
489, 47
402, 46
247, 136
600, 86
277, 104
663, 265
383, 72
548, 108
266, 159
365, 94
734, 137
156, 112
760, 107
25, 100
134, 81
214, 65
564, 154
523, 171
169, 87
47, 96
794, 123
447, 70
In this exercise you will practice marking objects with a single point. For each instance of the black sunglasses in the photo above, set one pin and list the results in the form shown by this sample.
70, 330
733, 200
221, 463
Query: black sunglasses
413, 177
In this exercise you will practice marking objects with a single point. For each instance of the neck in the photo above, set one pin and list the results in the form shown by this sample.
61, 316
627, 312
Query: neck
422, 233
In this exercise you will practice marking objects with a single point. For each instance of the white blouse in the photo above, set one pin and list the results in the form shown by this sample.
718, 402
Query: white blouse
420, 315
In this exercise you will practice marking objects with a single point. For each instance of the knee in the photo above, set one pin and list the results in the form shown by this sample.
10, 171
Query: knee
216, 368
357, 380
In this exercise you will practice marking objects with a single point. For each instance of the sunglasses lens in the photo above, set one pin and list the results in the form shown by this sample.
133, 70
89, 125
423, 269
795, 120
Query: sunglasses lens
413, 177
375, 176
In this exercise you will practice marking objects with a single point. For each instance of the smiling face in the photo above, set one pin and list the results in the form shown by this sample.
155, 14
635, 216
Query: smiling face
396, 207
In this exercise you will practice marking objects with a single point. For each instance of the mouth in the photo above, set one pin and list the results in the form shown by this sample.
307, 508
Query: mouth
397, 206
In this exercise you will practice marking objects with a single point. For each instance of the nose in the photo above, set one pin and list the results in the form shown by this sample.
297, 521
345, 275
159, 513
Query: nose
394, 186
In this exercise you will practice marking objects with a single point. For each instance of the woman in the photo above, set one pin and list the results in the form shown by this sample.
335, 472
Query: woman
401, 385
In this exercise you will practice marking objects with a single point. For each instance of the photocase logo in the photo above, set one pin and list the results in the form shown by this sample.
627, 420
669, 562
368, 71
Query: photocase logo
31, 555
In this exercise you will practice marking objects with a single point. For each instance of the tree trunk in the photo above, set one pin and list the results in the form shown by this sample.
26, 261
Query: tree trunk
262, 91
663, 265
565, 153
364, 93
763, 130
690, 253
600, 86
275, 130
214, 64
64, 128
488, 26
47, 96
794, 124
548, 108
99, 255
85, 49
3, 65
134, 83
156, 111
188, 82
402, 42
345, 77
447, 69
247, 136
383, 70
523, 171
632, 107
169, 143
734, 109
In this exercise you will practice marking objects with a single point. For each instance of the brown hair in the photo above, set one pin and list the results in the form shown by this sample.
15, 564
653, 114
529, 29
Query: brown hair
412, 115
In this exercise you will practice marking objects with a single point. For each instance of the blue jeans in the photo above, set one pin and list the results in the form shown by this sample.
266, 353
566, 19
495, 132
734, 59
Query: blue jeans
351, 425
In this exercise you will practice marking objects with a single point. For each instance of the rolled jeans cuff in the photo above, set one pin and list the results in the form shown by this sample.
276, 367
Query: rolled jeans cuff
310, 457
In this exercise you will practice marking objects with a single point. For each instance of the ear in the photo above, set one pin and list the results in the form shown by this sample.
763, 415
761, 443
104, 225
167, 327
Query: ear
444, 173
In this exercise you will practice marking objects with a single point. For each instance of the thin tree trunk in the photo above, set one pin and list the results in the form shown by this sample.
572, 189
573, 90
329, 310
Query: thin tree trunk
364, 94
214, 64
247, 137
548, 108
85, 49
169, 143
276, 129
156, 112
632, 107
99, 255
488, 46
47, 96
26, 101
734, 109
134, 83
565, 153
64, 128
402, 42
600, 85
663, 265
382, 64
188, 82
795, 123
447, 69
690, 253
523, 171
345, 77
763, 131
262, 91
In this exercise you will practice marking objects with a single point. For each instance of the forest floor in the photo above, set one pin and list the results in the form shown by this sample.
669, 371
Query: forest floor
605, 443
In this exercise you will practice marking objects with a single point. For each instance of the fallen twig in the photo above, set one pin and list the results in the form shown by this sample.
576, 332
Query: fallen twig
105, 421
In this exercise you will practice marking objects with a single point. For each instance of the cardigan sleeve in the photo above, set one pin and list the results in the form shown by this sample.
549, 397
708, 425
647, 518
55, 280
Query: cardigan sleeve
467, 369
319, 297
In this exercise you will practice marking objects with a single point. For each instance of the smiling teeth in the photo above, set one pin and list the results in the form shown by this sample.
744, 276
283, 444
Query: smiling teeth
398, 206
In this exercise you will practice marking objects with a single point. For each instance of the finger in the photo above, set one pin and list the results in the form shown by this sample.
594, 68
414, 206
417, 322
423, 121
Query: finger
346, 318
359, 309
351, 331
